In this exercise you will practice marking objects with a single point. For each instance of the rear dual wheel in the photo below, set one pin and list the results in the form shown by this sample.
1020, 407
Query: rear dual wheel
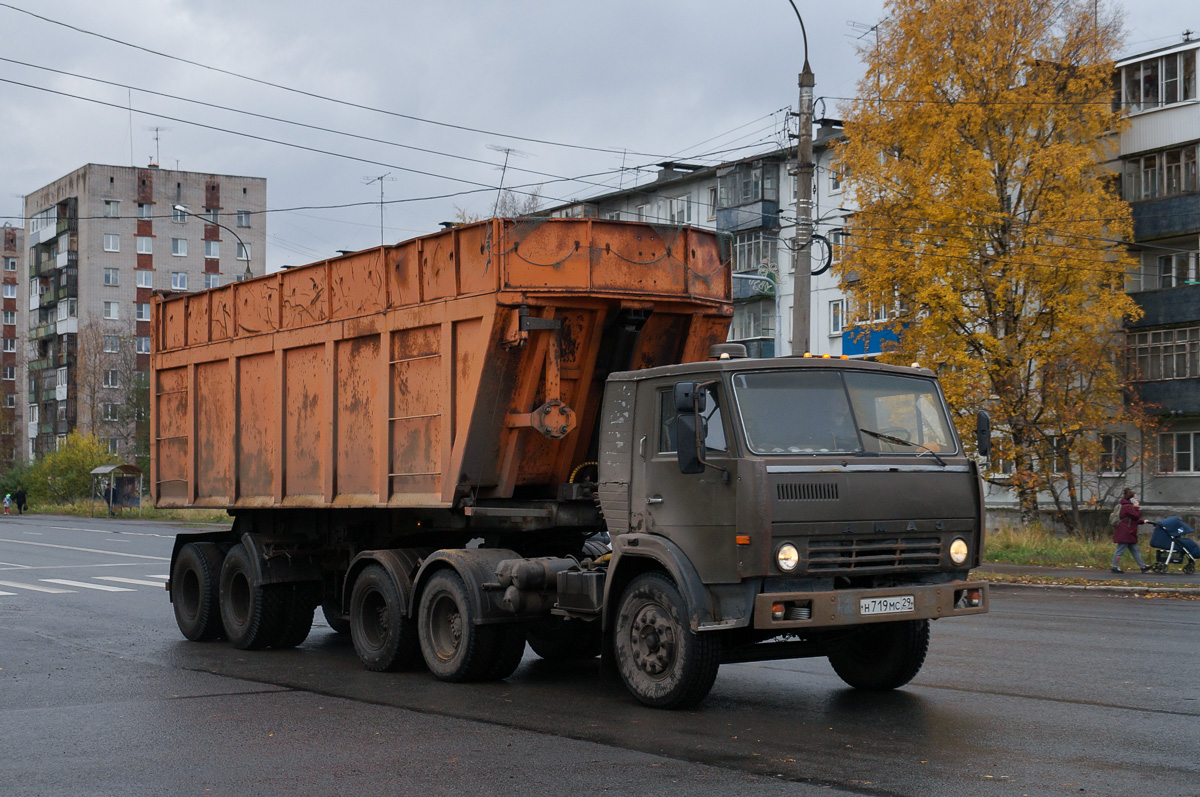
195, 591
456, 648
254, 616
384, 638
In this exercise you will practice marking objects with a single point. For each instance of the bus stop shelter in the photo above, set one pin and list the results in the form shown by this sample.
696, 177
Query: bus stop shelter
120, 486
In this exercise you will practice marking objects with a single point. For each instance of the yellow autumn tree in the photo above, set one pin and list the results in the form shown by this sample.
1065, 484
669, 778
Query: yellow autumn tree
979, 155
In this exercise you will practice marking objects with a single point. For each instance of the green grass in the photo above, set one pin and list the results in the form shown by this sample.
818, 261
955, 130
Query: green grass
1033, 545
99, 510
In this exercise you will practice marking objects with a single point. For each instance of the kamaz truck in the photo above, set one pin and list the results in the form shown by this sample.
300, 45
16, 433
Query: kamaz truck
533, 432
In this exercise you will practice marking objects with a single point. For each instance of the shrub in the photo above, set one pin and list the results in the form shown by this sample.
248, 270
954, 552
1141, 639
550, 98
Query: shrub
66, 474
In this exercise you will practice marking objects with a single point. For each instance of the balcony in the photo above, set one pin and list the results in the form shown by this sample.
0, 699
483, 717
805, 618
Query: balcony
60, 392
1174, 396
1159, 218
1167, 306
755, 215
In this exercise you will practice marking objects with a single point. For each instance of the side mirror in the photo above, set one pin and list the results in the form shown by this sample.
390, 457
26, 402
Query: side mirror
690, 427
983, 434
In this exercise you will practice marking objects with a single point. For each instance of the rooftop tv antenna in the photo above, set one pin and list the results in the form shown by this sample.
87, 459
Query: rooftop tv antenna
385, 177
507, 152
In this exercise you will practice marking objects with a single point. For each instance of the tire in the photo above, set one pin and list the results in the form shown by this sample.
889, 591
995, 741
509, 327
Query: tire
661, 660
333, 616
507, 651
253, 616
455, 648
384, 638
883, 656
299, 606
194, 591
559, 639
1189, 568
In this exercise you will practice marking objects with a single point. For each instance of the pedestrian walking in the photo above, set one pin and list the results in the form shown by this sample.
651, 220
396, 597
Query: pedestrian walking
19, 500
7, 502
1125, 534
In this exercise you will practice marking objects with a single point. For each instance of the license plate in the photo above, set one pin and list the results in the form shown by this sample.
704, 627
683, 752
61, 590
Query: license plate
895, 604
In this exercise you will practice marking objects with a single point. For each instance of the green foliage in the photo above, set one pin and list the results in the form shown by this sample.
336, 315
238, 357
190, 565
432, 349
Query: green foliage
65, 474
1034, 545
17, 475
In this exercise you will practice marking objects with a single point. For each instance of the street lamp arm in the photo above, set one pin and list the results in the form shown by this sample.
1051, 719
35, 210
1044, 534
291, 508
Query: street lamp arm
249, 274
803, 32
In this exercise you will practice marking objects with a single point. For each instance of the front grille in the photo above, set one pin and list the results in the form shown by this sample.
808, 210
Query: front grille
817, 491
841, 555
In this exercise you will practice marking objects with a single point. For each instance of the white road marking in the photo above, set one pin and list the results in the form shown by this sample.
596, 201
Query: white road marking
34, 587
138, 581
8, 593
84, 585
87, 550
14, 564
164, 578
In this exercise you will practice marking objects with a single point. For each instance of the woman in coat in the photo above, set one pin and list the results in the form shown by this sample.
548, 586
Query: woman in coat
1126, 532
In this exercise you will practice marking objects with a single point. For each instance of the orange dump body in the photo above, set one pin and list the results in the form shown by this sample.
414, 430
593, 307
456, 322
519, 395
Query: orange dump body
466, 363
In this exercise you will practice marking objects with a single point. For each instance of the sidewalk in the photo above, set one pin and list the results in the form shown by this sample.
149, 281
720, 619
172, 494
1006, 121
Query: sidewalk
1173, 580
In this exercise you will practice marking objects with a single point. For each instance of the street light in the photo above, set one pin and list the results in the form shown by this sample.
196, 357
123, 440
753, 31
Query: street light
775, 291
802, 242
249, 274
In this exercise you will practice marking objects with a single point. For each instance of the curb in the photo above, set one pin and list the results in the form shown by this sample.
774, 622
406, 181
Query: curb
1099, 587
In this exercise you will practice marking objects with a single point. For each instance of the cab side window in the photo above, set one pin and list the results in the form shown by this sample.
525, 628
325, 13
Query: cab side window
713, 441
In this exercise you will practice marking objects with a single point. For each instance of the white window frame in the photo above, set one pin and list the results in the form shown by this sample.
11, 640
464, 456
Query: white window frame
1172, 457
243, 251
837, 317
10, 344
112, 344
112, 242
179, 247
10, 290
10, 264
712, 203
145, 245
145, 278
143, 345
179, 280
212, 281
142, 311
145, 210
112, 311
112, 208
212, 250
178, 216
243, 218
10, 317
112, 276
10, 374
112, 378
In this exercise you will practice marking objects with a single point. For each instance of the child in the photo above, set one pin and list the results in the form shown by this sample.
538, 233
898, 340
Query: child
7, 502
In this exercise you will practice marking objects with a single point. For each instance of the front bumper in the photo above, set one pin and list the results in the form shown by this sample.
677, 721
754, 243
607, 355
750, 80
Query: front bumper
843, 607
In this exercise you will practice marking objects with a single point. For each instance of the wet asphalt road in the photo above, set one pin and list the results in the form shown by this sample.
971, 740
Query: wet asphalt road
1054, 692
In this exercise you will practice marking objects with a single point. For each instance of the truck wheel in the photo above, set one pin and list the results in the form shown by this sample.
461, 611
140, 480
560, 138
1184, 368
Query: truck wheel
507, 652
252, 615
333, 616
299, 605
384, 638
559, 639
884, 656
455, 648
194, 591
662, 661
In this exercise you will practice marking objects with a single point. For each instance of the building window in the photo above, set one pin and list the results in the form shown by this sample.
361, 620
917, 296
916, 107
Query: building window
1054, 453
179, 247
179, 280
112, 378
243, 218
754, 250
837, 176
112, 344
145, 279
10, 373
1163, 354
1168, 173
111, 413
212, 249
112, 276
1176, 452
243, 251
111, 311
145, 245
178, 215
145, 210
10, 316
142, 310
10, 264
1112, 453
712, 203
143, 345
112, 209
1159, 81
112, 242
10, 344
837, 316
10, 290
643, 212
210, 215
746, 183
752, 320
679, 210
212, 281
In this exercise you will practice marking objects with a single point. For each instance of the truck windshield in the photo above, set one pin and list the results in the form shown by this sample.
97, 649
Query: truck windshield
825, 412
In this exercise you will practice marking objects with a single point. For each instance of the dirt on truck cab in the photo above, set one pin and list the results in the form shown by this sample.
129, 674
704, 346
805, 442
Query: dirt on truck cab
531, 432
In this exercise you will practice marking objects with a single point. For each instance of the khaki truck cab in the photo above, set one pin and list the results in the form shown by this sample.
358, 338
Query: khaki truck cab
800, 507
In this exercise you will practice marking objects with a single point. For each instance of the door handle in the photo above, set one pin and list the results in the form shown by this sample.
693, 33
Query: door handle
655, 500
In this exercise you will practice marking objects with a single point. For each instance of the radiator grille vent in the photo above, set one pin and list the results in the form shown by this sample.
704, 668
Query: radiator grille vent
827, 491
839, 555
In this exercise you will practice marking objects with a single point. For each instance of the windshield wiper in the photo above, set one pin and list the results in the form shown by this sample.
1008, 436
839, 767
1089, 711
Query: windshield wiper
900, 441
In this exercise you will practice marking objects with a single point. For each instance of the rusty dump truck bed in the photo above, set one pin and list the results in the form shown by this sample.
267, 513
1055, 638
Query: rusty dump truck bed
468, 362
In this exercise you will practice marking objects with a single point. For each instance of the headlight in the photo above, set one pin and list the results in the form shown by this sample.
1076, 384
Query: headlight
787, 557
959, 550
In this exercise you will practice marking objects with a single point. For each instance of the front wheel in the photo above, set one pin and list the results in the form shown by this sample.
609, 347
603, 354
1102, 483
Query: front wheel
661, 660
883, 656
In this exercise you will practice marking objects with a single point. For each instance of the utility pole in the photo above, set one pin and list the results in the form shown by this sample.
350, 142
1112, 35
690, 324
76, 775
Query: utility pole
802, 241
380, 179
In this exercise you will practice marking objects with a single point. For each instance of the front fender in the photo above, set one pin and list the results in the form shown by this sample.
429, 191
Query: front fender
630, 555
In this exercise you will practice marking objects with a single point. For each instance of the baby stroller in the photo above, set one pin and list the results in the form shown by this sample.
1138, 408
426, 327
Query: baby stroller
1172, 545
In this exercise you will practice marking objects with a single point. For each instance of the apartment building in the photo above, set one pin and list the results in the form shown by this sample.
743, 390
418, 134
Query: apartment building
12, 326
1158, 159
100, 241
754, 201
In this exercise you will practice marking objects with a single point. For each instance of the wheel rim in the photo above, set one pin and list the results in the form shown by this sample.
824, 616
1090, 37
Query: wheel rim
446, 627
653, 640
375, 622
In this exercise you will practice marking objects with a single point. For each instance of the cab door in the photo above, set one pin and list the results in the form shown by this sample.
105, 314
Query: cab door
696, 511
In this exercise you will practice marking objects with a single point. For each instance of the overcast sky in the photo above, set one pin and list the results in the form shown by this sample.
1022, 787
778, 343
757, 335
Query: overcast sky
625, 83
